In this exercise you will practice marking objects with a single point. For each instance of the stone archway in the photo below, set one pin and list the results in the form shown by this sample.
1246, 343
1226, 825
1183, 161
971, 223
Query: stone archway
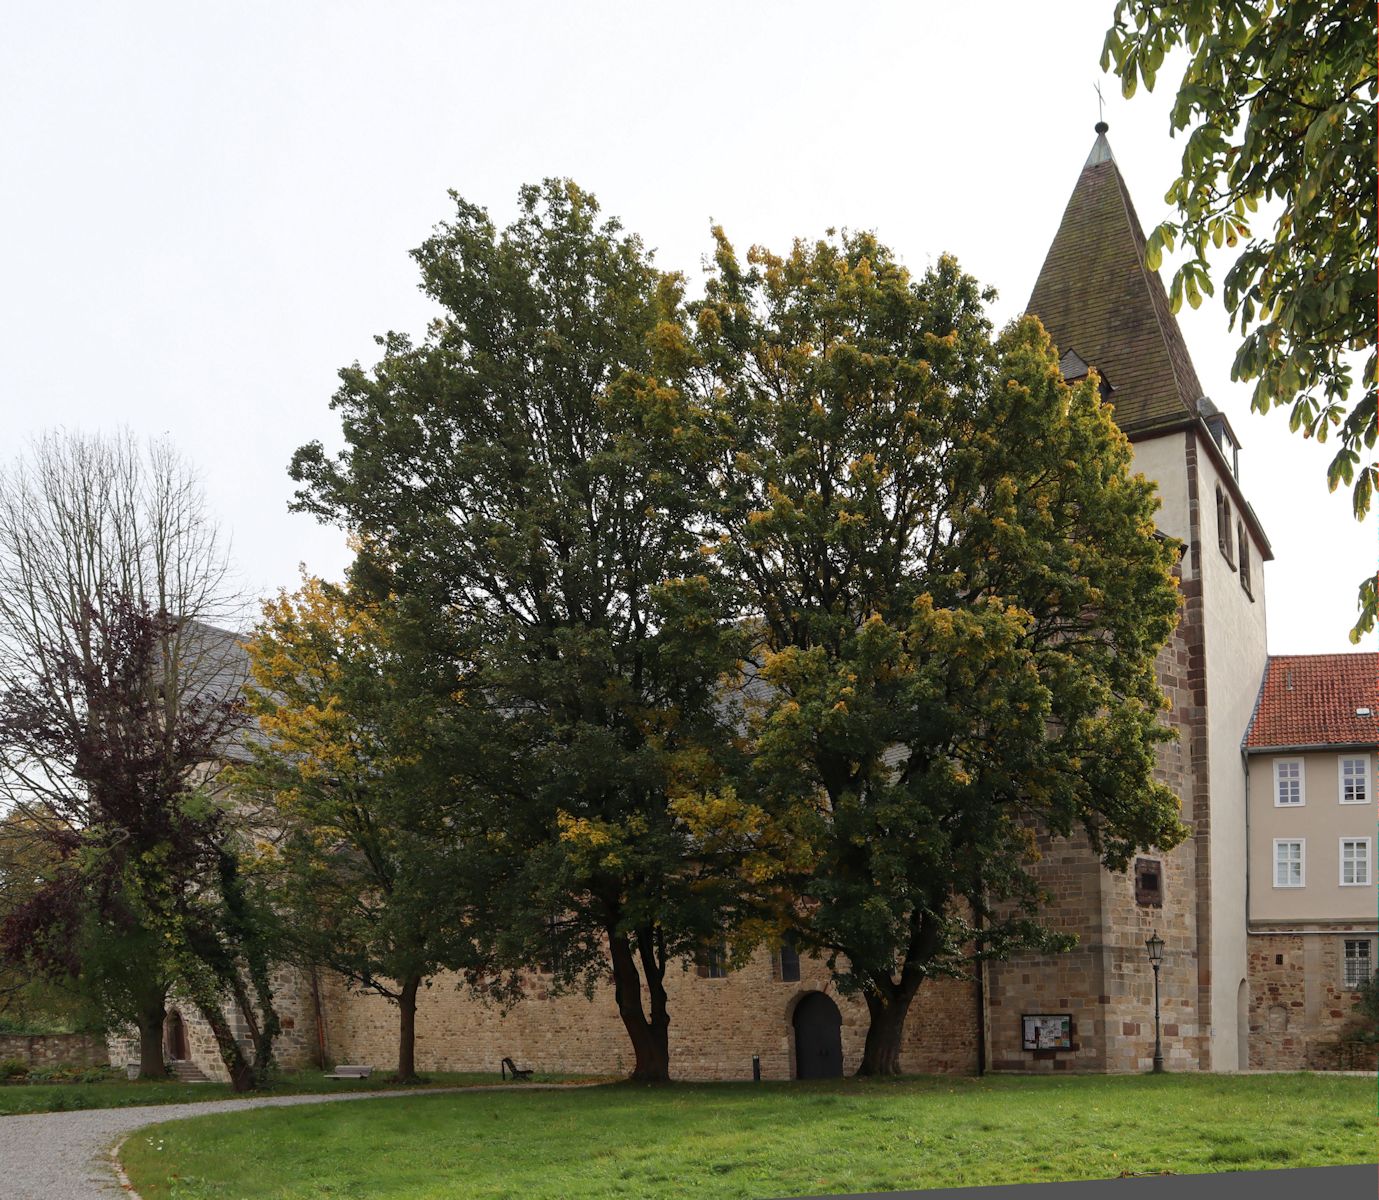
818, 1037
175, 1037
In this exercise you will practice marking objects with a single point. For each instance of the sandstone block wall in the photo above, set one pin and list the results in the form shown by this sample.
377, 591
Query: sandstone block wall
717, 1025
48, 1050
1299, 1006
1106, 983
295, 1048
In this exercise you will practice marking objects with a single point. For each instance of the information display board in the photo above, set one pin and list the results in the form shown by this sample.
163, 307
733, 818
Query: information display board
1047, 1031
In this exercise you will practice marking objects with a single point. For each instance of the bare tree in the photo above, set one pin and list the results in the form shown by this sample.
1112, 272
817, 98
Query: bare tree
119, 697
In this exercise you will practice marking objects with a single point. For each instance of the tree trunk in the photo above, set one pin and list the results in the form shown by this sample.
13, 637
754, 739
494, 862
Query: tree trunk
241, 1071
152, 1014
407, 1030
881, 1051
262, 1030
650, 1038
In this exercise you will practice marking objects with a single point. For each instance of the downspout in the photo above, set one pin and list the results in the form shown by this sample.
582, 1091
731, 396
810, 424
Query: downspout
1245, 760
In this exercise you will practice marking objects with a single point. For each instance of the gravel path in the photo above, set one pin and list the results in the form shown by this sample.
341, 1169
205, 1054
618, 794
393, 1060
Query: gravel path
66, 1155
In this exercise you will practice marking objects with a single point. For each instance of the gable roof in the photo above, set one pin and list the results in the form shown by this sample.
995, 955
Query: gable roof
1094, 292
1310, 700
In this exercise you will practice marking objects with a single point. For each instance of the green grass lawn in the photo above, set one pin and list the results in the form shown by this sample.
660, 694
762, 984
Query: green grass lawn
744, 1140
61, 1097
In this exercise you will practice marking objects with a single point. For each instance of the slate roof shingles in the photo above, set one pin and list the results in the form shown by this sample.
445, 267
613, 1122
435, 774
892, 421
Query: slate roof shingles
1095, 294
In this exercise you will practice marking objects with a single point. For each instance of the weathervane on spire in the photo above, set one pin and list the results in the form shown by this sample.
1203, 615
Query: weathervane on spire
1101, 126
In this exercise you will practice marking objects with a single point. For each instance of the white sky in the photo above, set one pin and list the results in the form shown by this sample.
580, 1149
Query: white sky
205, 211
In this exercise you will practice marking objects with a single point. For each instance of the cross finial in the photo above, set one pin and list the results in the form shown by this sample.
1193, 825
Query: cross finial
1101, 126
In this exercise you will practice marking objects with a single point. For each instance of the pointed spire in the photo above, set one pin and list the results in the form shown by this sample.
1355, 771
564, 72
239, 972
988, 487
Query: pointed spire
1095, 293
1101, 148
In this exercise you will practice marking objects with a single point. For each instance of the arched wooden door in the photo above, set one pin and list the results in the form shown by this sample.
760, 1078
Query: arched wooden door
818, 1038
175, 1039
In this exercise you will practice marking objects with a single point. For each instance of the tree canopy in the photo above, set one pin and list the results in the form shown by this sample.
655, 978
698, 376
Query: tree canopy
1278, 101
368, 833
528, 471
959, 595
806, 606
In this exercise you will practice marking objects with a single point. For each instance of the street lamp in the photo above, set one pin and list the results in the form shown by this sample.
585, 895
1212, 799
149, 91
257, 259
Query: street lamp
1155, 945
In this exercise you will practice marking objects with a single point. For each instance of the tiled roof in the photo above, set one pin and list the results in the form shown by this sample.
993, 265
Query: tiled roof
1095, 293
1310, 700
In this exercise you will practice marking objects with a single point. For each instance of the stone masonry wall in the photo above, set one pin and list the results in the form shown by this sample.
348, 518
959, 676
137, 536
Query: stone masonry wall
717, 1025
1106, 983
54, 1049
1299, 1007
296, 1046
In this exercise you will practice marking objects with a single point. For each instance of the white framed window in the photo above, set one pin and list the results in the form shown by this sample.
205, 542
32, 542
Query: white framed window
1358, 961
1288, 862
1355, 862
1289, 784
1353, 772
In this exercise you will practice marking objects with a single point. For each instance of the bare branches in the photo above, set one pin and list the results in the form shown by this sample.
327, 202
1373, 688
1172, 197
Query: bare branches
87, 522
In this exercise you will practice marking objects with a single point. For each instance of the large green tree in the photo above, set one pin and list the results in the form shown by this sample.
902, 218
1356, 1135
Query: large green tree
959, 595
529, 471
1277, 100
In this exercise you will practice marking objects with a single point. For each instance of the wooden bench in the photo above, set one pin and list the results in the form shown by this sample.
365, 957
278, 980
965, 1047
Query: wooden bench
346, 1071
517, 1072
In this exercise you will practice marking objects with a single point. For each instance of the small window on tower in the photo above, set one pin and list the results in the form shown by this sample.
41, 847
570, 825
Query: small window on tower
1224, 540
1149, 883
1244, 547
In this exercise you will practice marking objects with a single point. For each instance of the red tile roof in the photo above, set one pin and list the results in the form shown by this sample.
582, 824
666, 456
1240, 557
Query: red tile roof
1310, 700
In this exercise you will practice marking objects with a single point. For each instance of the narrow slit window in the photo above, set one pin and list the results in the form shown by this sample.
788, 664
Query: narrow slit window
1149, 883
1223, 527
789, 960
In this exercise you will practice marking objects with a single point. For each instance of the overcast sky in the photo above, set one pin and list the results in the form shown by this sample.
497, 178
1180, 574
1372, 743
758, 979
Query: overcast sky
205, 211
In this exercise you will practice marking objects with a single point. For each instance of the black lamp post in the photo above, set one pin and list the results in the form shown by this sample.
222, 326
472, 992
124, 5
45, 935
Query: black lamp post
1155, 945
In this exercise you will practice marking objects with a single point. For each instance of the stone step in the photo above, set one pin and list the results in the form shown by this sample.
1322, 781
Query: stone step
185, 1071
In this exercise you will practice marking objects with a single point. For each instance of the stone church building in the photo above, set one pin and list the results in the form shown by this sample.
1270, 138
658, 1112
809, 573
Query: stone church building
1091, 1009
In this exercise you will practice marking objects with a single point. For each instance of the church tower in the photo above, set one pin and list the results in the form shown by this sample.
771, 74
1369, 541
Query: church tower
1105, 310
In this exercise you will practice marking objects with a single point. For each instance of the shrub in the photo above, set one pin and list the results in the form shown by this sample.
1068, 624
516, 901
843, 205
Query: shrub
98, 1075
1364, 1021
14, 1068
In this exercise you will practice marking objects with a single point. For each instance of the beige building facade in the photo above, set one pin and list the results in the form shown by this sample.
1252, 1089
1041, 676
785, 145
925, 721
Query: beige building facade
1311, 763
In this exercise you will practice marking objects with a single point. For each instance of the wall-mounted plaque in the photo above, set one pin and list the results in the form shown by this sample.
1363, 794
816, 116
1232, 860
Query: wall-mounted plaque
1047, 1031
